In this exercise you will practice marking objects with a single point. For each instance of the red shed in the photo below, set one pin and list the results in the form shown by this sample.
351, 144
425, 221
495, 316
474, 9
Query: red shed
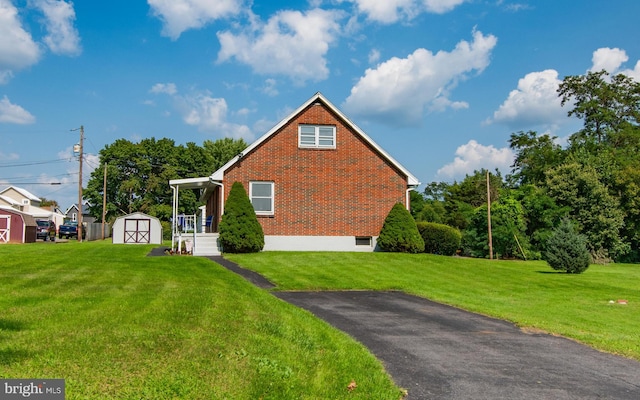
16, 227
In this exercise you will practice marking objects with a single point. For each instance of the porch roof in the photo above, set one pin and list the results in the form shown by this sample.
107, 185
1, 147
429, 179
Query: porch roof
202, 182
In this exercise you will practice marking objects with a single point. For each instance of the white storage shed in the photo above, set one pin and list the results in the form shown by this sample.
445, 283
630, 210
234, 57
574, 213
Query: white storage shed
137, 228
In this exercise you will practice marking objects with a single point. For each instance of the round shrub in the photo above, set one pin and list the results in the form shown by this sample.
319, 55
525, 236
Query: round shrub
566, 249
399, 232
240, 231
439, 238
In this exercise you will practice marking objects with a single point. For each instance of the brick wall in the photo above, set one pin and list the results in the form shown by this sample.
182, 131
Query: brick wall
346, 191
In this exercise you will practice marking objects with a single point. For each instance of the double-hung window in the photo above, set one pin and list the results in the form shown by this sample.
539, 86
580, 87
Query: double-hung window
261, 195
317, 136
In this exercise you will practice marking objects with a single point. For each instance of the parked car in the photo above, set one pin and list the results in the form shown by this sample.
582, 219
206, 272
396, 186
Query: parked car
70, 230
46, 230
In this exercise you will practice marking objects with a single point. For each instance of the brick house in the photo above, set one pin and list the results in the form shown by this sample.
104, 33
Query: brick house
316, 181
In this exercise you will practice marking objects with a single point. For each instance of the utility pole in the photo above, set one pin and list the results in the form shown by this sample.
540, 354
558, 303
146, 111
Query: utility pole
104, 198
80, 150
489, 217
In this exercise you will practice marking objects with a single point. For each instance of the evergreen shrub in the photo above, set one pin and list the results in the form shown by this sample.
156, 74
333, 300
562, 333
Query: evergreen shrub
399, 232
240, 231
439, 238
566, 249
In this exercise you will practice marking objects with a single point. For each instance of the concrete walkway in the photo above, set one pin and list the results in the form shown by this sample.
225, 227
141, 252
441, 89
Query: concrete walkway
441, 352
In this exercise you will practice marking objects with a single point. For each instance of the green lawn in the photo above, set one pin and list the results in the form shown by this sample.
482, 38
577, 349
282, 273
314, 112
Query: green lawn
116, 324
529, 294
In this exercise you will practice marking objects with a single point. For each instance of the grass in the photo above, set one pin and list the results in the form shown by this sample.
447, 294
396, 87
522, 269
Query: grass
530, 294
116, 324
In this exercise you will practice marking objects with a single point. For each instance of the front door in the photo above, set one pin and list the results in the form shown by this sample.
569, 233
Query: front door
5, 228
137, 230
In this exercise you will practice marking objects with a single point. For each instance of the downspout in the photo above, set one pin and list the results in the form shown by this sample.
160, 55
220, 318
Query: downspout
408, 199
173, 220
222, 196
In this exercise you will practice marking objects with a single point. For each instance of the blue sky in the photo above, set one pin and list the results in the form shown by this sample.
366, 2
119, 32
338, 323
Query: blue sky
439, 84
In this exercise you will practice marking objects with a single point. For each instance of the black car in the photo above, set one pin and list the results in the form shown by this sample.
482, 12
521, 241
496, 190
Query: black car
46, 230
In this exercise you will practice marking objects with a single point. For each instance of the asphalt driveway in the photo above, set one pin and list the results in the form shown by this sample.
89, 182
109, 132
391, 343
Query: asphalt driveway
441, 352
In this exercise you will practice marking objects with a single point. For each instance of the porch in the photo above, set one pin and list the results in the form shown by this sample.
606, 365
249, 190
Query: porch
197, 233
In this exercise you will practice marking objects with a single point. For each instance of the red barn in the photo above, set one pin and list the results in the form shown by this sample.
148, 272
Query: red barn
316, 181
16, 227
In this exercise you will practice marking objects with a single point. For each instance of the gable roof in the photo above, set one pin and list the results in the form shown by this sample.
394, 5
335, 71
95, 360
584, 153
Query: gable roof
9, 200
411, 179
28, 219
24, 192
85, 208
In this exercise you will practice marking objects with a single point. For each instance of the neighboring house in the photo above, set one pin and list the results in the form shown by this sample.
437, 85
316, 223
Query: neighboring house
72, 213
316, 181
137, 228
22, 200
16, 226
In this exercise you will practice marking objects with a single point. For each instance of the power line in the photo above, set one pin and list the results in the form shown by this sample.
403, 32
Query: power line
36, 183
30, 163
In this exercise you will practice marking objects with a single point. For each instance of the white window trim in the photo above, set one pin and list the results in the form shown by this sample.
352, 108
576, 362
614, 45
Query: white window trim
272, 197
316, 144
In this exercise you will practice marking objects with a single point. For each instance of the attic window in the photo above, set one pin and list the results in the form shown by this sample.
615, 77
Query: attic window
317, 136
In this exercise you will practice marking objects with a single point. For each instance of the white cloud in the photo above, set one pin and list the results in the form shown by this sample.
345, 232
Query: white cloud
374, 56
17, 48
62, 37
92, 161
399, 90
180, 15
390, 11
475, 156
167, 88
8, 157
14, 114
633, 73
270, 87
534, 102
209, 114
608, 59
291, 43
441, 6
612, 60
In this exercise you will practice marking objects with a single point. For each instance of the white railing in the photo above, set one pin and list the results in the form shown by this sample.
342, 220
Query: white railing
186, 223
184, 230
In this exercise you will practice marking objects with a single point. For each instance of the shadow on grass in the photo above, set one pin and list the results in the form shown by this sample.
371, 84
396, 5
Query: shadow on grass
557, 273
9, 355
11, 325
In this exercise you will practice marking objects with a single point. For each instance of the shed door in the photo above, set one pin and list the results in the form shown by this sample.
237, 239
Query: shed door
137, 230
5, 228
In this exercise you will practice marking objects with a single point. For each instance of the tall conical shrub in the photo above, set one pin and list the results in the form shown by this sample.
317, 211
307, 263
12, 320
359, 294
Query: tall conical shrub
567, 249
399, 232
240, 231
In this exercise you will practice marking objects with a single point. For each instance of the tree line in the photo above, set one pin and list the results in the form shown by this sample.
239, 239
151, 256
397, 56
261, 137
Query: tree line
138, 175
593, 182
